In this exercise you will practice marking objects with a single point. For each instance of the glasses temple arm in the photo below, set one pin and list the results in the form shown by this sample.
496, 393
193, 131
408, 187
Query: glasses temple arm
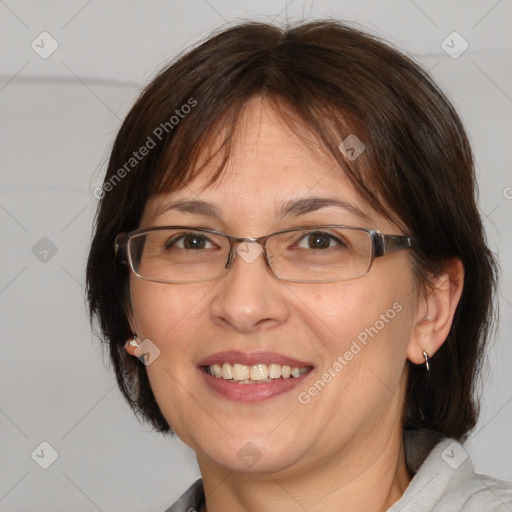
390, 243
121, 247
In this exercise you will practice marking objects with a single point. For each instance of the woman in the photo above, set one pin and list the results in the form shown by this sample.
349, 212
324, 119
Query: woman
291, 272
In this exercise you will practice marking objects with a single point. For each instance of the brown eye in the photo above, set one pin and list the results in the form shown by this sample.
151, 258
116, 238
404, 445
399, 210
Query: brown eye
189, 241
318, 240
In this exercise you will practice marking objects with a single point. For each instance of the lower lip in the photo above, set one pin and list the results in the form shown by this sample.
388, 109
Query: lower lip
252, 392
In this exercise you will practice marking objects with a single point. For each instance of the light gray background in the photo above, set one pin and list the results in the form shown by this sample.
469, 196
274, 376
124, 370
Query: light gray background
58, 119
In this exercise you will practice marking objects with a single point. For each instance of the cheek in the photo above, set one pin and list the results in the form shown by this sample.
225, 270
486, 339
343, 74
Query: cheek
161, 310
169, 316
361, 337
366, 323
342, 310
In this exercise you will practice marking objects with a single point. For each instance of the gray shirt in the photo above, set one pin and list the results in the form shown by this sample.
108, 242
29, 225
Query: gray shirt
444, 481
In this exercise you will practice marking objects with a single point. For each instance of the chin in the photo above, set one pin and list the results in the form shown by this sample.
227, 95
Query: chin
249, 459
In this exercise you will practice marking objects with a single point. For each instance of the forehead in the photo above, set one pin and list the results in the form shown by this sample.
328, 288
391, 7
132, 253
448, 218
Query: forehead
271, 162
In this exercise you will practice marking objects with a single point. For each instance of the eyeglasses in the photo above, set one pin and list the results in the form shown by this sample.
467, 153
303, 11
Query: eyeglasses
309, 254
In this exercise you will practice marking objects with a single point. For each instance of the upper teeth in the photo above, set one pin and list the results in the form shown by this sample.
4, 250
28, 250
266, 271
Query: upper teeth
257, 372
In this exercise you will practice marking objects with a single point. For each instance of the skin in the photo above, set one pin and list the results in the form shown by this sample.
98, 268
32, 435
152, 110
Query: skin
343, 450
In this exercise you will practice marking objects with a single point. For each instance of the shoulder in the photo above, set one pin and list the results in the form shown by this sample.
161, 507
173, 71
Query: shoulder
487, 494
446, 481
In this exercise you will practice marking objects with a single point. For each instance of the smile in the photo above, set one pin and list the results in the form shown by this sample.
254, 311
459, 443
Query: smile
252, 377
250, 374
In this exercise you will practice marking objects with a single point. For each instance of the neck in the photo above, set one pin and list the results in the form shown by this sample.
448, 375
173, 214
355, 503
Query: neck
369, 475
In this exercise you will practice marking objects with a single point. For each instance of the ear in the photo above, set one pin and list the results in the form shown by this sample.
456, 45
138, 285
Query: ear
435, 311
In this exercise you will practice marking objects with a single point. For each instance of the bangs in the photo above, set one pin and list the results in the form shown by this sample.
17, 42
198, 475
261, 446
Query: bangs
319, 125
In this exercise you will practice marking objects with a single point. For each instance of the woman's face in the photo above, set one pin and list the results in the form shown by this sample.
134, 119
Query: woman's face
352, 336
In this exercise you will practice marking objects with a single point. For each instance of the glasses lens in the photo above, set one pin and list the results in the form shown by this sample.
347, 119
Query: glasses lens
321, 254
178, 255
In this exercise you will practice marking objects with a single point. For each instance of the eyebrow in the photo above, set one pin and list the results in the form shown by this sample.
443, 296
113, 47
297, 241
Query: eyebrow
193, 206
311, 204
294, 207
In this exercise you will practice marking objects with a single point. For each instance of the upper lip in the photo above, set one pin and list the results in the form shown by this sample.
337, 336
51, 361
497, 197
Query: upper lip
251, 359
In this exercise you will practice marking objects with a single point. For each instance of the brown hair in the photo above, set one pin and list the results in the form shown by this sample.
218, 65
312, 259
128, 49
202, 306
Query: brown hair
334, 80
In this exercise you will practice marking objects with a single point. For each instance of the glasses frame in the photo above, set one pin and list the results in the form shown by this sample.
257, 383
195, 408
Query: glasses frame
382, 244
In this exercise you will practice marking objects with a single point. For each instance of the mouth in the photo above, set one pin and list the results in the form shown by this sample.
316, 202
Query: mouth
251, 374
252, 377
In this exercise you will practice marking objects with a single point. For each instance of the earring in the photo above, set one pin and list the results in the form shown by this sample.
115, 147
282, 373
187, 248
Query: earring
427, 360
132, 342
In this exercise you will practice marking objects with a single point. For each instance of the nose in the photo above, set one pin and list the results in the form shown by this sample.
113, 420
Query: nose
249, 297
